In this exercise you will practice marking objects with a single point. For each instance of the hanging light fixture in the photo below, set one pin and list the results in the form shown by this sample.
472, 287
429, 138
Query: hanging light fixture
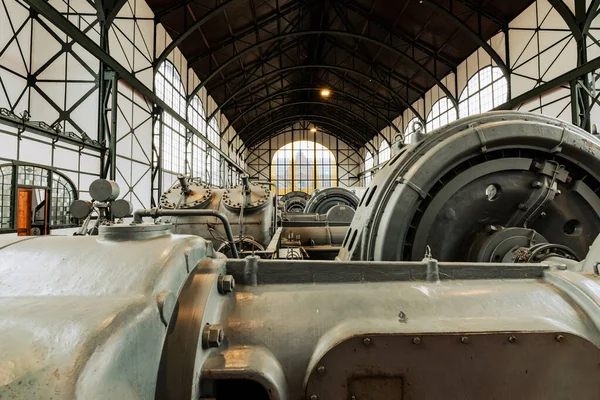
325, 92
313, 129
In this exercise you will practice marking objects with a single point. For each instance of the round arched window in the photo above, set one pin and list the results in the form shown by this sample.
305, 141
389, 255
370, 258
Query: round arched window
303, 166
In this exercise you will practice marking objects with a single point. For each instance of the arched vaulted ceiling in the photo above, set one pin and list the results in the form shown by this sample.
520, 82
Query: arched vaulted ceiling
263, 61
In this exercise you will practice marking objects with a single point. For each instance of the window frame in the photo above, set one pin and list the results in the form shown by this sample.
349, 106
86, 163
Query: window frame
442, 113
471, 95
304, 166
385, 152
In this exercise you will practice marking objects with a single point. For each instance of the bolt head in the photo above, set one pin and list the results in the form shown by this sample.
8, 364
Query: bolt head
321, 370
559, 338
212, 336
314, 397
491, 229
416, 340
226, 284
464, 340
367, 341
512, 339
537, 184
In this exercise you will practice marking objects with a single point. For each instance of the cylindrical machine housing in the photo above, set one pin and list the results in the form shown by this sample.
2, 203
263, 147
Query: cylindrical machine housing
321, 200
250, 212
453, 190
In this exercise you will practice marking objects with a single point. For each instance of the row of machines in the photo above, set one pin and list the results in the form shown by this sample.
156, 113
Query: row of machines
296, 225
469, 270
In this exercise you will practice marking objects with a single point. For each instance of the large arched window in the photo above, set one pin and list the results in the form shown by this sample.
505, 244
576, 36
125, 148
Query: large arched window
409, 134
303, 166
485, 90
213, 132
442, 113
384, 152
214, 158
169, 88
197, 118
368, 166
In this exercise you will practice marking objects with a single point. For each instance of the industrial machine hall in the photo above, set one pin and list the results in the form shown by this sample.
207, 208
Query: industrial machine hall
300, 199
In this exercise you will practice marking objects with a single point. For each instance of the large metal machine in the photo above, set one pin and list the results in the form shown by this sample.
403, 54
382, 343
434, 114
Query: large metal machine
249, 207
321, 200
477, 188
138, 312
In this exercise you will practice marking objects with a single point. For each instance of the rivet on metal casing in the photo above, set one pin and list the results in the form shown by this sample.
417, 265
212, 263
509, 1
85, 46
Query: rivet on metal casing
212, 336
314, 397
367, 341
559, 338
464, 340
225, 284
416, 340
512, 339
321, 370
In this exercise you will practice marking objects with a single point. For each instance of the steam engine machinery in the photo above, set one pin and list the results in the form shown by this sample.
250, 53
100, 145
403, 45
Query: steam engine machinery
294, 202
321, 200
509, 208
318, 232
249, 208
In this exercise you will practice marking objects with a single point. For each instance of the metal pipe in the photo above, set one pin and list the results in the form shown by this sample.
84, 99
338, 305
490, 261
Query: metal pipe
159, 212
185, 187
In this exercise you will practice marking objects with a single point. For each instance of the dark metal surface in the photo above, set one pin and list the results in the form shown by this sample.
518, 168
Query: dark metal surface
294, 201
322, 200
446, 191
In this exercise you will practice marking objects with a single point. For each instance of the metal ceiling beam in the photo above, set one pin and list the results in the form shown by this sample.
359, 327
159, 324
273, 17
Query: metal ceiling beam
322, 127
322, 66
299, 103
113, 11
174, 7
586, 68
471, 33
196, 25
393, 31
321, 119
592, 13
41, 128
288, 91
380, 68
377, 42
332, 124
264, 60
261, 24
567, 16
66, 26
289, 129
484, 13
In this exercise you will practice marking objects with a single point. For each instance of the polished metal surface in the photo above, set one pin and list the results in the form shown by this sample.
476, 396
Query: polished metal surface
82, 317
